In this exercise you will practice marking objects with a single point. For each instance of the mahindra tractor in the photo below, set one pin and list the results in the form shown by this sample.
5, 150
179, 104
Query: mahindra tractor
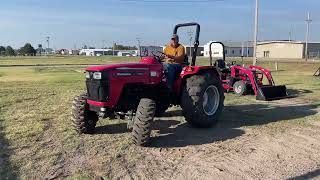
246, 80
138, 92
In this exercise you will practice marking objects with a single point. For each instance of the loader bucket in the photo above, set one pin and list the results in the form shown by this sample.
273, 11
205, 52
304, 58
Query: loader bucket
269, 93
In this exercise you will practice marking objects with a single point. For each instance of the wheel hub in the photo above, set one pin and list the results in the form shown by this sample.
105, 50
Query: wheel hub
238, 89
211, 99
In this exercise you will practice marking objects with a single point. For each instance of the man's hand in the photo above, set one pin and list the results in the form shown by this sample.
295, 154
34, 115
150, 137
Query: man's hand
169, 57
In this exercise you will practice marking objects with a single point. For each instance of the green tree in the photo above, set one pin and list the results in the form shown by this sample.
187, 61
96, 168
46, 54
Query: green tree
27, 50
2, 50
10, 51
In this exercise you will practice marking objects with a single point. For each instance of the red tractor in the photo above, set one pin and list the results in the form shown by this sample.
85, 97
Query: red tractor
138, 92
242, 80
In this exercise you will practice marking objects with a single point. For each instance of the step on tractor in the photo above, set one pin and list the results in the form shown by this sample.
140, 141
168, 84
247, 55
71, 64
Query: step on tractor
246, 80
138, 92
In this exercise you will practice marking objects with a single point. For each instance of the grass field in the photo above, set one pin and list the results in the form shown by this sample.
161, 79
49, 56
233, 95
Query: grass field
37, 140
51, 60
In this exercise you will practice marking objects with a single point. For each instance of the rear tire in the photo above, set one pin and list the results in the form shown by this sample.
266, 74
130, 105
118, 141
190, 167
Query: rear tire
240, 88
199, 92
142, 121
84, 120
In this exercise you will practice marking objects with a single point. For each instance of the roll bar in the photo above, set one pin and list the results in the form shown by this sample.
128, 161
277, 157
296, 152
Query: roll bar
196, 42
223, 53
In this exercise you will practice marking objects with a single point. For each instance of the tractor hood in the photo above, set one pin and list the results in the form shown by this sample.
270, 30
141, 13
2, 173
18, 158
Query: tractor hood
123, 66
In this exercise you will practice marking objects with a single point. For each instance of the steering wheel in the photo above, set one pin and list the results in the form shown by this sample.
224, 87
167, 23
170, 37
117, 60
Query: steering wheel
158, 55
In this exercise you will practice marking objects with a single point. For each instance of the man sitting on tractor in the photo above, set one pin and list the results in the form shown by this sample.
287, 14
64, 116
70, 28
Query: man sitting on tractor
174, 56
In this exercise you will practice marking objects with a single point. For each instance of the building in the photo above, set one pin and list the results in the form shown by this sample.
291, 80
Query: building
49, 51
74, 52
127, 53
189, 49
280, 49
287, 49
62, 51
233, 49
96, 52
313, 50
109, 52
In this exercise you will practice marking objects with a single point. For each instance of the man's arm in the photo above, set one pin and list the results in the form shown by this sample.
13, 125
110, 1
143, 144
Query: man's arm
165, 53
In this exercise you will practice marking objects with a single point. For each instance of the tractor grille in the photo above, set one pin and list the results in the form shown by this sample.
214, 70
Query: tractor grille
98, 90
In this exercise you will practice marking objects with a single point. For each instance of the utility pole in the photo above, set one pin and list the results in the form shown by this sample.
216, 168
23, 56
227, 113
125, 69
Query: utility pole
308, 20
103, 47
48, 43
290, 34
255, 39
139, 45
113, 46
190, 34
242, 49
247, 49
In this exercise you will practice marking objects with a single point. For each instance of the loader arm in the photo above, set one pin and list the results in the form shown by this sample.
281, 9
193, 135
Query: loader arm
250, 74
265, 72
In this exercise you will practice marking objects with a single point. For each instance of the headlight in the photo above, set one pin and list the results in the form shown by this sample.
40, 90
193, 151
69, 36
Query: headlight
153, 73
97, 75
87, 75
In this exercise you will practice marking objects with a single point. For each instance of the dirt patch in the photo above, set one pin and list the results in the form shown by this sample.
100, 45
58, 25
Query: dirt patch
237, 148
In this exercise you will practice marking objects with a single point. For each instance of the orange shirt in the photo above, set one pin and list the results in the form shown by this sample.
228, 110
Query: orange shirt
172, 51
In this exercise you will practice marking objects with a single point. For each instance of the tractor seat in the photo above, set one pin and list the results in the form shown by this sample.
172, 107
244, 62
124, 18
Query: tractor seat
220, 64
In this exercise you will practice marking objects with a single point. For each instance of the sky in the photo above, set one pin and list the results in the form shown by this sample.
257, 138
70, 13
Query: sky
98, 23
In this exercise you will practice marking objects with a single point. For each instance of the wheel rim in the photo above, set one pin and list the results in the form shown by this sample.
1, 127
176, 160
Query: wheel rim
238, 89
211, 100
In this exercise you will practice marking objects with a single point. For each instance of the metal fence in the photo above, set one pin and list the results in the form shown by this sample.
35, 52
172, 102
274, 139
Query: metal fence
314, 55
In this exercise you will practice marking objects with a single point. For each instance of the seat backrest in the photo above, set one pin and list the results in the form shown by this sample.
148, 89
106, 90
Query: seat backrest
220, 64
186, 61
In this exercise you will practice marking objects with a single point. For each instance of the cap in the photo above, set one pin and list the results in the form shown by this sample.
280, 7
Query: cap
175, 36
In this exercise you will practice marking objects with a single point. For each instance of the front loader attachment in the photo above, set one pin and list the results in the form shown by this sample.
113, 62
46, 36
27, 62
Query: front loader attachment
269, 93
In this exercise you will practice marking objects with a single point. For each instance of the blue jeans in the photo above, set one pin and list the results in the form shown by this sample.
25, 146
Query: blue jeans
171, 71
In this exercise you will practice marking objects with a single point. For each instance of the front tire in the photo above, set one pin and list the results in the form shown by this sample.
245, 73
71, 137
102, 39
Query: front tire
84, 120
202, 100
240, 88
142, 121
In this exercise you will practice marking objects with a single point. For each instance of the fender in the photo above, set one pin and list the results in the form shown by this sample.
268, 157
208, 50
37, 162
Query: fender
190, 71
